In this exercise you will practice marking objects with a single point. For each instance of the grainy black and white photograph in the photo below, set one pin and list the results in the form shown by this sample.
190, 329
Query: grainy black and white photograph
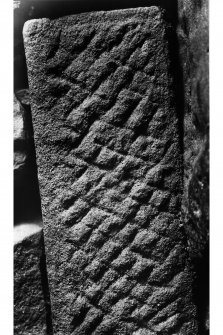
111, 167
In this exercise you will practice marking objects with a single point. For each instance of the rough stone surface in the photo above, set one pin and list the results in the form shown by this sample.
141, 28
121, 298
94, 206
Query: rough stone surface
194, 47
29, 304
109, 164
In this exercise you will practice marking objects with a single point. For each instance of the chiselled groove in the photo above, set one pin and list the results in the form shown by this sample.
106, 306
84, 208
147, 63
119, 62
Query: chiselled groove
113, 222
82, 50
153, 306
55, 46
90, 99
121, 153
105, 76
77, 320
119, 40
167, 312
55, 67
59, 88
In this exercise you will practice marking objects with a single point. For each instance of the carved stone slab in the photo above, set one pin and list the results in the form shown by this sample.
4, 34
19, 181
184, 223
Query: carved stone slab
109, 164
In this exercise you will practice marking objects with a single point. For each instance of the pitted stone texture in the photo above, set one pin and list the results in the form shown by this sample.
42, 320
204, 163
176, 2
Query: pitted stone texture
29, 302
194, 46
106, 133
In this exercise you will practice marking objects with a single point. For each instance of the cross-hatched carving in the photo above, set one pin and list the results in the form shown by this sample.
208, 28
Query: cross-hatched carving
107, 141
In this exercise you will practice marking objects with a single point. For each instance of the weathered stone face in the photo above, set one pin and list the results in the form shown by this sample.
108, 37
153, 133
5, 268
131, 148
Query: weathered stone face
29, 301
109, 163
194, 48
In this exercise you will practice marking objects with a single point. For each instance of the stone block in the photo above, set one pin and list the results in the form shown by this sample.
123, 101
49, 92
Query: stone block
96, 101
30, 301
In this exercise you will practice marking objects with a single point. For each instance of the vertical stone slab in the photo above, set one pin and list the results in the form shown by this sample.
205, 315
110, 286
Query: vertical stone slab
109, 164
